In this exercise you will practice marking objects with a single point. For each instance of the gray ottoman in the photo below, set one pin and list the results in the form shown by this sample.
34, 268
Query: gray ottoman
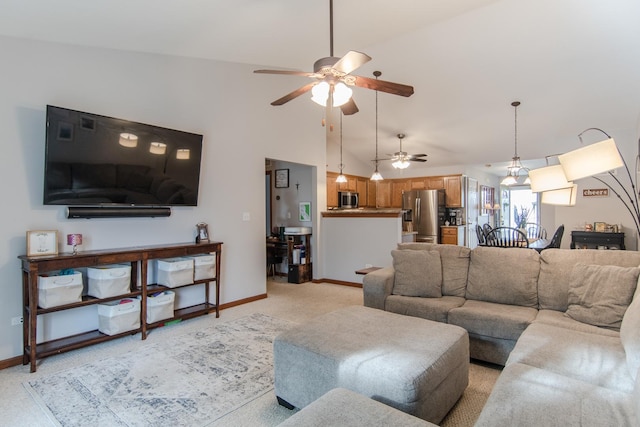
415, 365
342, 407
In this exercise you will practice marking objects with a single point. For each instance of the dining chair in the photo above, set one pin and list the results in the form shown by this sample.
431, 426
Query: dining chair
481, 237
507, 237
557, 238
486, 228
535, 231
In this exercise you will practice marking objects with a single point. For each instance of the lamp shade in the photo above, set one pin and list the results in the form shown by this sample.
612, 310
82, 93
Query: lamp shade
590, 160
509, 180
128, 140
341, 178
158, 148
183, 154
320, 93
377, 176
561, 197
548, 178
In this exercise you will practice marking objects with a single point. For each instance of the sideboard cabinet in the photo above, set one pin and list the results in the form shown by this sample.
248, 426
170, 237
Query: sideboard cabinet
139, 259
596, 240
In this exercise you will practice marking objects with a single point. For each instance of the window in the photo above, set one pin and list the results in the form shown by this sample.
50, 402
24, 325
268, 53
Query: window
519, 199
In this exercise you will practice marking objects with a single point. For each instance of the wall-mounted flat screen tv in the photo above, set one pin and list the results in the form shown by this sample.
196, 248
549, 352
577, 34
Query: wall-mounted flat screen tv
94, 160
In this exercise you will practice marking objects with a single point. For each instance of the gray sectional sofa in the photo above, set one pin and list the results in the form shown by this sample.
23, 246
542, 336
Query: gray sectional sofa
564, 323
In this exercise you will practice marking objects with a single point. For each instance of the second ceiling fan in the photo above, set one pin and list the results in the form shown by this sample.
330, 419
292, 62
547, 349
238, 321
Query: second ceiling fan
332, 78
400, 159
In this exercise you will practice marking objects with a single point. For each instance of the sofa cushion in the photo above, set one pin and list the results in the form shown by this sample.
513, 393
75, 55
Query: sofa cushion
630, 336
556, 266
600, 294
493, 320
436, 309
593, 358
455, 265
528, 396
558, 318
504, 275
417, 273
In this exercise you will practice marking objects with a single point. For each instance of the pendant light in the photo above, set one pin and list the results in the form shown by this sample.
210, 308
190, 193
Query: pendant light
377, 176
513, 170
341, 177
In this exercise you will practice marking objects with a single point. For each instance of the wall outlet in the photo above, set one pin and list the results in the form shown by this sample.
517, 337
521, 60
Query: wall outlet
15, 321
246, 216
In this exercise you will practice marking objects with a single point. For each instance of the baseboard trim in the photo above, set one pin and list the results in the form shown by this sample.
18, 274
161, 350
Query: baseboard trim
15, 361
338, 282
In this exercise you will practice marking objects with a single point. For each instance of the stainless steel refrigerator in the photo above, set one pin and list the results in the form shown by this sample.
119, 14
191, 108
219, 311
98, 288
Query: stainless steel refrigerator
423, 211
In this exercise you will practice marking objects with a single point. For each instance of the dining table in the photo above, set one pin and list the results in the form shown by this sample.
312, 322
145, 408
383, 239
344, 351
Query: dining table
539, 244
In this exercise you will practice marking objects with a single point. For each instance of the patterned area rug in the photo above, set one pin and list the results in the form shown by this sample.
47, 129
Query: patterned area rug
187, 381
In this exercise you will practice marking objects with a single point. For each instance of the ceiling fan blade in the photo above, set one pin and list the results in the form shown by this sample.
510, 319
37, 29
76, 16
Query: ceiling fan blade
383, 86
417, 160
287, 72
296, 93
417, 155
351, 61
349, 108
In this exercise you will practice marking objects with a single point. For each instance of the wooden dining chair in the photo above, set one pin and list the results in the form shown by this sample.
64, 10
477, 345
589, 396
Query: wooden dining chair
557, 238
535, 231
507, 237
482, 241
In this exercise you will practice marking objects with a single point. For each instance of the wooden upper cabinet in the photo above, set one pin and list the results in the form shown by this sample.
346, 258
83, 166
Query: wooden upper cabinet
372, 194
383, 194
418, 183
362, 186
350, 185
397, 187
332, 190
453, 191
435, 183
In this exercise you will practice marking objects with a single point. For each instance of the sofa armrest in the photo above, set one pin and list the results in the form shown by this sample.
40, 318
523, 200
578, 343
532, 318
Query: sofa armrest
376, 286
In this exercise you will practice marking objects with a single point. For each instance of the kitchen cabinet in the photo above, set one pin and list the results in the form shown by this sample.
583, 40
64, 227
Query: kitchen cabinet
418, 184
138, 258
452, 235
453, 189
332, 190
435, 183
383, 195
372, 194
397, 187
362, 187
350, 185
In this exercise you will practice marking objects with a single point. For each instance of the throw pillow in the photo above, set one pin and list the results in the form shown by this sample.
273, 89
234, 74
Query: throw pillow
600, 294
630, 336
417, 273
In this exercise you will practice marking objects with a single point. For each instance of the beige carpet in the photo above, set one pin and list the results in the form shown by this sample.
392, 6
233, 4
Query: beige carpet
294, 302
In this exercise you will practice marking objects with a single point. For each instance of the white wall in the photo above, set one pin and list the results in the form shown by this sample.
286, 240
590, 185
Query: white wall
225, 102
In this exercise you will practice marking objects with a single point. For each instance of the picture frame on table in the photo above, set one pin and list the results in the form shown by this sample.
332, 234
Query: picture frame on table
203, 232
599, 227
282, 178
42, 242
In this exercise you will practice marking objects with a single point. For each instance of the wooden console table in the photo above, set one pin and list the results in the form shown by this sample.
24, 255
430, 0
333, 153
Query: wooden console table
138, 258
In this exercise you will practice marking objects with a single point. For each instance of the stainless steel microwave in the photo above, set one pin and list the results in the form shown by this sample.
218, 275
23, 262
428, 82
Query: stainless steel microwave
347, 199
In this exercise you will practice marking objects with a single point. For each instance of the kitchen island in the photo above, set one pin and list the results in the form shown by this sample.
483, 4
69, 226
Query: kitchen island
354, 239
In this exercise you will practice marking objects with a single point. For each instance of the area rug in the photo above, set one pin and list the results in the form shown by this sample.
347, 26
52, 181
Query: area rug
190, 380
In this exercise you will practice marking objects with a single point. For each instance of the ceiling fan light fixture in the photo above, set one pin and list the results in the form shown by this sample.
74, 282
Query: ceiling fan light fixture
400, 164
509, 180
341, 94
320, 93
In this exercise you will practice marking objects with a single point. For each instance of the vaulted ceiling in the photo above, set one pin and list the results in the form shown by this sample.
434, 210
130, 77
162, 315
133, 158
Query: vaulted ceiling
573, 64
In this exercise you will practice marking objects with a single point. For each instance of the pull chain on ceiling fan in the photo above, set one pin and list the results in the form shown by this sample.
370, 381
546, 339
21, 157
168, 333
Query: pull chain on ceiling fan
333, 77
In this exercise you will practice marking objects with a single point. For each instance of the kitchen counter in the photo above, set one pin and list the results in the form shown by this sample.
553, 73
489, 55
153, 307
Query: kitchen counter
364, 213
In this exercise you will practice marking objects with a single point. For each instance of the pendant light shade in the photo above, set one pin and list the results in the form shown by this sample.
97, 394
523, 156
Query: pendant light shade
591, 159
513, 170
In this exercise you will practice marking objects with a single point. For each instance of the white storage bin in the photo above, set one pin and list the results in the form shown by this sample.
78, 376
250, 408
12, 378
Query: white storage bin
160, 307
56, 289
174, 272
109, 280
204, 266
120, 316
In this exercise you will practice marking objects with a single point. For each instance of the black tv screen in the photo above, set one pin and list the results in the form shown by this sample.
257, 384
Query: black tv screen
94, 160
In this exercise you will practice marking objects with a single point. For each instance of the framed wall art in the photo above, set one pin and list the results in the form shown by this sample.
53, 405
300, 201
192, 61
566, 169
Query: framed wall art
42, 242
282, 178
305, 211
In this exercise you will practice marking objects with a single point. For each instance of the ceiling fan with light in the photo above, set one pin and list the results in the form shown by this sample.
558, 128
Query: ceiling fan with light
332, 78
400, 159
